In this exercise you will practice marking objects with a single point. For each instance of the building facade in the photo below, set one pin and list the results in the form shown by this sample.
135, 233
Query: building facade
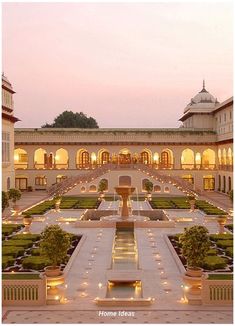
200, 151
8, 121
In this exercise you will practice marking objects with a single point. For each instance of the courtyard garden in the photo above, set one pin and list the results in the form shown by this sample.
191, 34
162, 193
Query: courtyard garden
183, 203
219, 256
24, 252
66, 203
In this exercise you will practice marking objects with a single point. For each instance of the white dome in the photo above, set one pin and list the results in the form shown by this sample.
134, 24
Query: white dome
202, 100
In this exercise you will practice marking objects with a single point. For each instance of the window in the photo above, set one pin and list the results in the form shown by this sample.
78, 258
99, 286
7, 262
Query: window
209, 182
188, 178
5, 147
40, 181
224, 117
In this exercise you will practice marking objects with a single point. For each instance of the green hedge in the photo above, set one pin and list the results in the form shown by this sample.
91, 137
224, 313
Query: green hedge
35, 262
7, 261
212, 252
214, 262
33, 237
12, 251
36, 252
224, 243
229, 251
220, 276
209, 209
216, 237
18, 243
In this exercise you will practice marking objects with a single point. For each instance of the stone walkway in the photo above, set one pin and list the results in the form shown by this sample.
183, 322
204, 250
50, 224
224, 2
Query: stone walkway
135, 317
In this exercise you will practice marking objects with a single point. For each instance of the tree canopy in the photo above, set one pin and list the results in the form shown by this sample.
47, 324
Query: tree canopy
69, 119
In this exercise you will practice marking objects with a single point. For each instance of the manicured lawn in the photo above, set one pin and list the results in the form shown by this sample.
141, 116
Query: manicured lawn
66, 203
182, 203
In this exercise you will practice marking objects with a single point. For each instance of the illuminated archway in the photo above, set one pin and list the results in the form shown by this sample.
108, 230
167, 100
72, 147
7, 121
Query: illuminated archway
219, 156
82, 159
230, 157
124, 156
61, 159
156, 158
208, 159
146, 156
224, 158
20, 158
40, 158
187, 159
167, 159
103, 156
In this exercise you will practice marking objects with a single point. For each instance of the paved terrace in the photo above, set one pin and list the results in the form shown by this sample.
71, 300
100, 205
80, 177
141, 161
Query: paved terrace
160, 274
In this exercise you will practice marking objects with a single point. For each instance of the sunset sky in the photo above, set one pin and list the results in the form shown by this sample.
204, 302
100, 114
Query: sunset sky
127, 65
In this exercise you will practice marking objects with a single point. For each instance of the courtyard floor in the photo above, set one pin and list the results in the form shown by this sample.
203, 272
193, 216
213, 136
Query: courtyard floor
161, 277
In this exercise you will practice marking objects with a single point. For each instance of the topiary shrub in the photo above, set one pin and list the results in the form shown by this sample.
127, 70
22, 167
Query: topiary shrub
195, 245
33, 237
229, 251
55, 244
18, 243
216, 237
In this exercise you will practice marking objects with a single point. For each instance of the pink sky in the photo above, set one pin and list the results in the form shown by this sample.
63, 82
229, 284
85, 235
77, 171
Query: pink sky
127, 65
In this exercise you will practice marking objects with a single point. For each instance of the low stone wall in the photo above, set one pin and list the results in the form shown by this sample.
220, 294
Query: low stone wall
217, 292
24, 292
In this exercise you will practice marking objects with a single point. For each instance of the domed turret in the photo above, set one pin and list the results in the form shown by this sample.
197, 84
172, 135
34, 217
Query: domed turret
202, 100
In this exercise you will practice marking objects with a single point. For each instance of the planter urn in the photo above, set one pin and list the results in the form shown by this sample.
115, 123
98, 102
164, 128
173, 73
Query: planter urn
192, 203
27, 221
221, 221
54, 278
193, 281
57, 205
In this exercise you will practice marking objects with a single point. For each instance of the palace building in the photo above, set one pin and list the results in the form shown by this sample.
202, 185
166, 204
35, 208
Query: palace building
200, 152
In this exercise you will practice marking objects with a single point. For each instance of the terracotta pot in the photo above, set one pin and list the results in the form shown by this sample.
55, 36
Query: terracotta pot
27, 221
194, 271
52, 271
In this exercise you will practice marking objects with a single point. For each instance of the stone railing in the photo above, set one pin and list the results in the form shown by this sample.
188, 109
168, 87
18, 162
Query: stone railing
23, 292
217, 292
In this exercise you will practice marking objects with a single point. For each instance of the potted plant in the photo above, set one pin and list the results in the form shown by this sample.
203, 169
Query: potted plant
103, 185
195, 245
192, 202
14, 195
5, 200
148, 186
55, 244
27, 221
57, 200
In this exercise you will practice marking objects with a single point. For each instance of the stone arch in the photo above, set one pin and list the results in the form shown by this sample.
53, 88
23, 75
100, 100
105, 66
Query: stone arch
187, 159
219, 156
167, 158
20, 158
103, 156
157, 188
167, 189
146, 156
40, 158
208, 159
124, 156
224, 157
230, 157
156, 158
83, 159
92, 188
61, 158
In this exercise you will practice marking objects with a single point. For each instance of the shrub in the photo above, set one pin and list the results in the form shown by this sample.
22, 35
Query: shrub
12, 251
18, 243
55, 244
216, 237
103, 185
14, 194
33, 237
7, 261
214, 262
229, 251
35, 262
195, 244
36, 252
224, 243
5, 200
212, 252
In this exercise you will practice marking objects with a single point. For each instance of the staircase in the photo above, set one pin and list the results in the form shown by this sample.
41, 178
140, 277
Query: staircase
69, 183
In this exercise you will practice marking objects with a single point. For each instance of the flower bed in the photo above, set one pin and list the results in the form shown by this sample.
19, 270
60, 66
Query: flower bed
22, 253
219, 256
